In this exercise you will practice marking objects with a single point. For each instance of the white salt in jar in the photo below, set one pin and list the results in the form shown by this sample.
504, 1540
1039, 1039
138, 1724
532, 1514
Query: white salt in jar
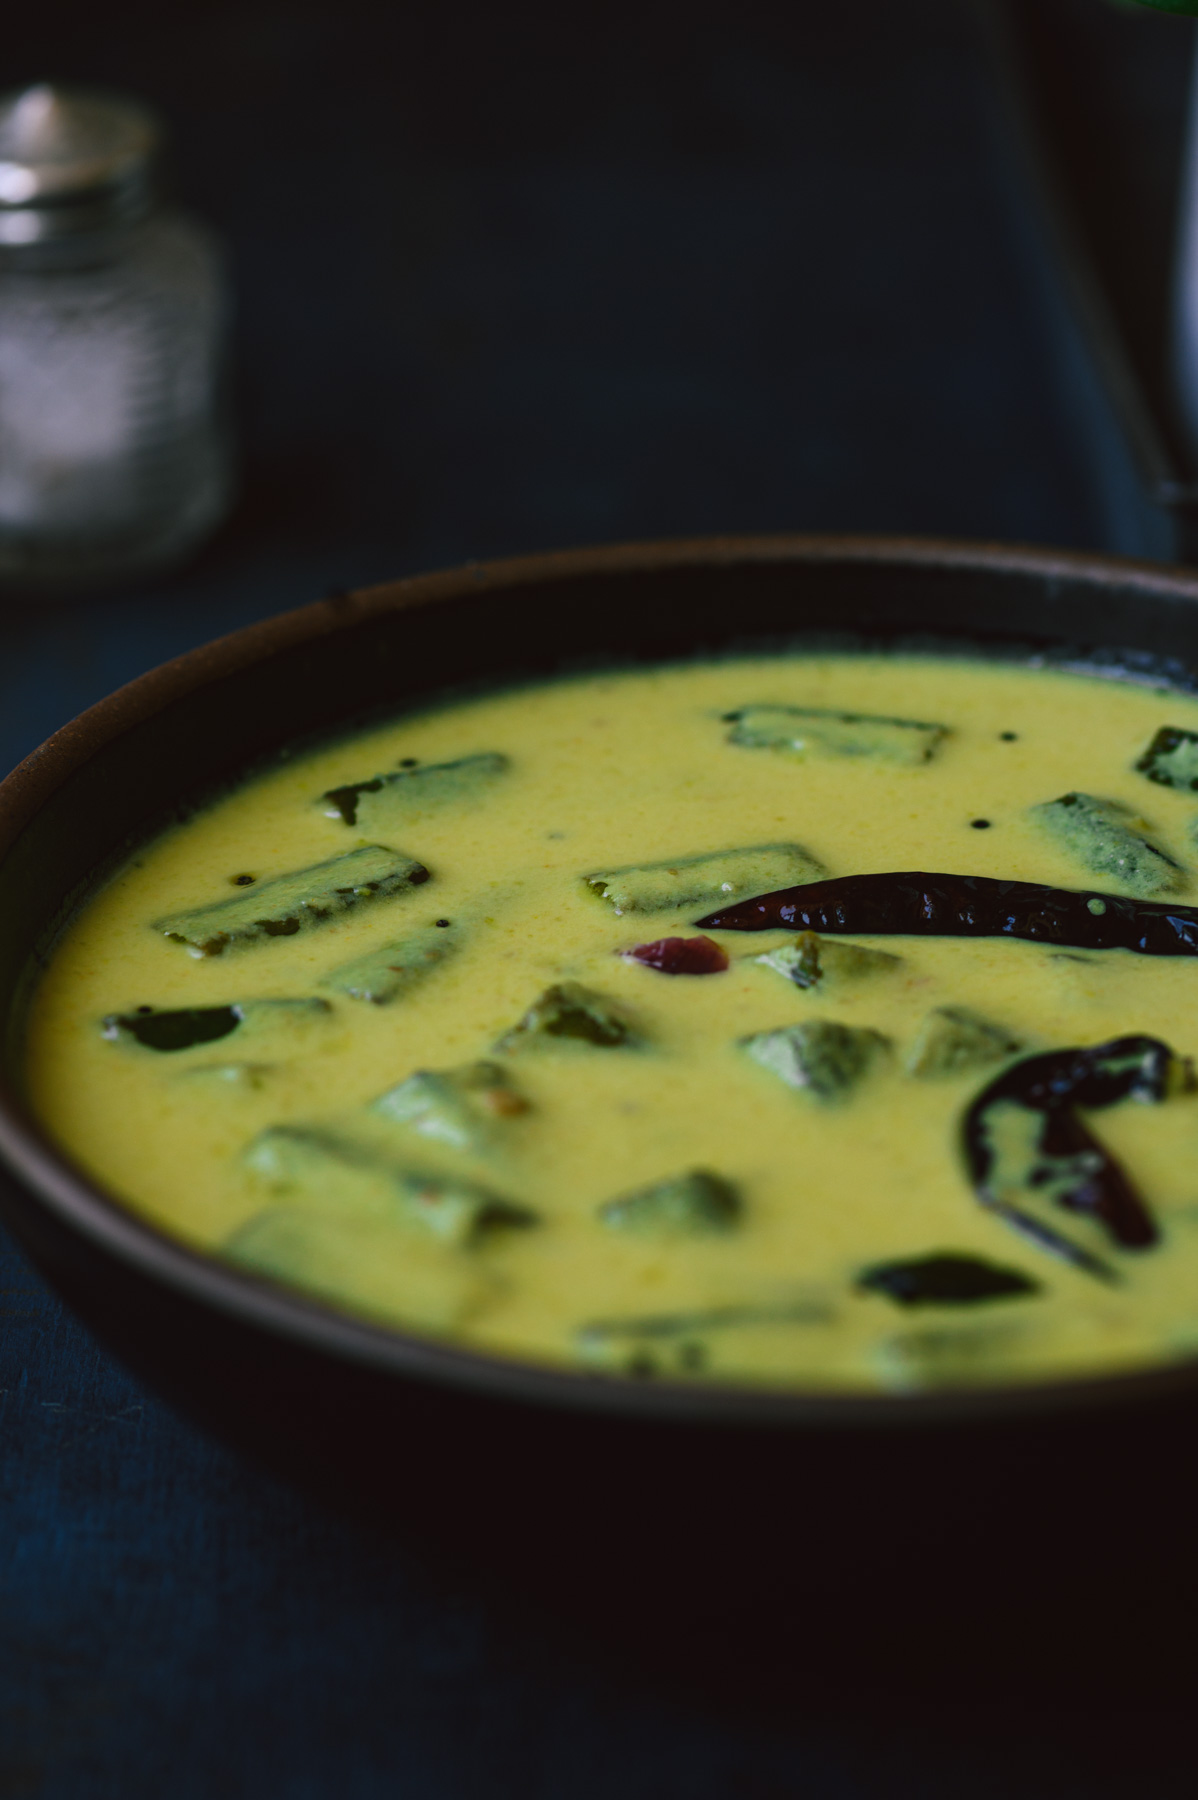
114, 442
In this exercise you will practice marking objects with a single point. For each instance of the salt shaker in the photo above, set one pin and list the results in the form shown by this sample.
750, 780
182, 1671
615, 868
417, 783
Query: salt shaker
114, 445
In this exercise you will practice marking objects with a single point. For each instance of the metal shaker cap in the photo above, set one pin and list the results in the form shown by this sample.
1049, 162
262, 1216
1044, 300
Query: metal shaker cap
72, 160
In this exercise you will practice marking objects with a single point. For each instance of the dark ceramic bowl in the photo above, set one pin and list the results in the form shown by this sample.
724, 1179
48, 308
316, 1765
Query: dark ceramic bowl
454, 1443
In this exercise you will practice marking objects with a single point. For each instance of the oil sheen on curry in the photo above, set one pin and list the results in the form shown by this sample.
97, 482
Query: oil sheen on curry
818, 1022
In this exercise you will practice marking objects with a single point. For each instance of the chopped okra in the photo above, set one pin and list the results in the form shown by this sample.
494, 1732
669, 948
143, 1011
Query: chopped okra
459, 1107
232, 1077
681, 956
692, 1205
1105, 838
1172, 759
294, 902
957, 1355
802, 731
183, 1028
693, 880
353, 1176
812, 961
570, 1011
364, 1263
681, 1343
393, 798
383, 974
944, 1280
952, 1039
824, 1057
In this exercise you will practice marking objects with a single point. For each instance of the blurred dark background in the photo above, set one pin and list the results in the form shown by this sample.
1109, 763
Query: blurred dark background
511, 277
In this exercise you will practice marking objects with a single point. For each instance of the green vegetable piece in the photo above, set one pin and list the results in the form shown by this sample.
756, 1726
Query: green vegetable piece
363, 1264
458, 1107
1108, 839
393, 969
951, 1355
945, 1280
803, 731
812, 961
692, 1205
185, 1028
681, 1343
350, 1175
821, 1055
952, 1039
400, 795
232, 1077
295, 902
1172, 759
569, 1010
694, 880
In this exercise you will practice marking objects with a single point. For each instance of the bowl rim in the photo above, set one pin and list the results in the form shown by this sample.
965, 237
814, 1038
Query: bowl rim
54, 1184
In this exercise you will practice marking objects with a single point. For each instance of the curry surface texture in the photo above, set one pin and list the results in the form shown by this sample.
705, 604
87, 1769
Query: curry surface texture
761, 1211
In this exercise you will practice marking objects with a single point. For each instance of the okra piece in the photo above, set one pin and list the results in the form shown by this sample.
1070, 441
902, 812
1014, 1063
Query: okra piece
1028, 1150
802, 731
1107, 839
917, 904
183, 1028
459, 1107
680, 1343
295, 902
821, 1055
232, 1077
946, 1279
352, 1175
952, 1039
384, 974
965, 1354
693, 880
812, 961
364, 1264
696, 1204
1172, 759
568, 1010
399, 795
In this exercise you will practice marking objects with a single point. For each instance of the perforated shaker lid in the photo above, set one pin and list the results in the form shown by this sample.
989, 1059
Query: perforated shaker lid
73, 159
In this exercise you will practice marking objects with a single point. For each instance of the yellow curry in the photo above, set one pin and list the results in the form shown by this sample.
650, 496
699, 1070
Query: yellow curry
446, 1025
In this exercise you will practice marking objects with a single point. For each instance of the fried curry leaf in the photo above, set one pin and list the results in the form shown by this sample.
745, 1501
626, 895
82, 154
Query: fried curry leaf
946, 1279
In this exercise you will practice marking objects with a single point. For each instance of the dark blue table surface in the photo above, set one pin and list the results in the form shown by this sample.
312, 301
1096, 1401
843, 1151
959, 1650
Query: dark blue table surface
506, 282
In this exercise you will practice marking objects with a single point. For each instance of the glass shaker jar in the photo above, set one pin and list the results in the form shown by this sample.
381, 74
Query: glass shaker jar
114, 444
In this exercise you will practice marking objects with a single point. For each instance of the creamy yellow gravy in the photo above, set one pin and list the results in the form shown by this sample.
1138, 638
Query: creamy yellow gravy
605, 772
